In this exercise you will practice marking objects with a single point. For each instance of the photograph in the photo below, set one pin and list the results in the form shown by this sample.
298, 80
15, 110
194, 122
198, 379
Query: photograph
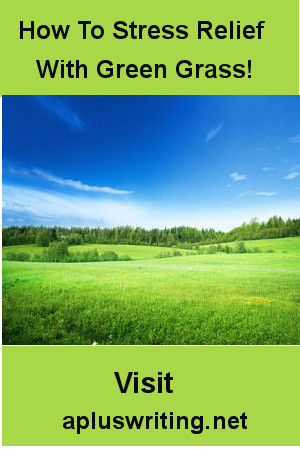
151, 220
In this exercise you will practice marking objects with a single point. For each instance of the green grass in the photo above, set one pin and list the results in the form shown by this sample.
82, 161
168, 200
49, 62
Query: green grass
203, 299
282, 245
135, 251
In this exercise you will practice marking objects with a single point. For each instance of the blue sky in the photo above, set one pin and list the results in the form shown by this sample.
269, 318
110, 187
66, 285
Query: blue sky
152, 161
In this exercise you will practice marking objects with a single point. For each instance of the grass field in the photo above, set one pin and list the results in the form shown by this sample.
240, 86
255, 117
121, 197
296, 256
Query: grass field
202, 299
134, 251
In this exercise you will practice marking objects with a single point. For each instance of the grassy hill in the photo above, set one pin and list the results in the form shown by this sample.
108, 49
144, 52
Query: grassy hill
140, 252
281, 245
134, 251
200, 299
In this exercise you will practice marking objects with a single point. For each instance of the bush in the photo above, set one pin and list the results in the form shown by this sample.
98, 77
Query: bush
256, 250
185, 245
22, 256
109, 256
57, 252
169, 254
124, 258
163, 255
212, 249
85, 256
36, 258
10, 256
240, 247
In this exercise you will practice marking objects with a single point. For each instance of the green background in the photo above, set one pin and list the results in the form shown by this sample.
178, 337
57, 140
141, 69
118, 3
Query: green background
44, 384
274, 57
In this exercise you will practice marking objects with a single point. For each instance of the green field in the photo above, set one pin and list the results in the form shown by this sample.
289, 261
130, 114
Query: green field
135, 251
200, 299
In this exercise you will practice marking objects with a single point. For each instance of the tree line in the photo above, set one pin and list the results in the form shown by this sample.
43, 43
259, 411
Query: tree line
182, 236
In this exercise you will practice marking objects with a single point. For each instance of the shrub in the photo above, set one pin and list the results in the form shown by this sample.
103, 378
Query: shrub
169, 254
109, 256
211, 249
85, 256
10, 256
57, 252
36, 258
256, 250
240, 247
124, 258
22, 256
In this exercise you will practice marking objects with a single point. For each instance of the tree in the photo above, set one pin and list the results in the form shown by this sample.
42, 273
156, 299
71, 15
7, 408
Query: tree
240, 247
43, 238
57, 251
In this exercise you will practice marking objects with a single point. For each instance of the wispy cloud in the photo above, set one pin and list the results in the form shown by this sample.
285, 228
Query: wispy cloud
267, 169
292, 176
213, 132
265, 193
294, 139
63, 182
259, 193
37, 207
236, 176
61, 111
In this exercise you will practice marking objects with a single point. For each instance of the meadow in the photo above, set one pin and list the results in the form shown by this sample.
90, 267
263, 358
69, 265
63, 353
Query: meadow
250, 298
136, 252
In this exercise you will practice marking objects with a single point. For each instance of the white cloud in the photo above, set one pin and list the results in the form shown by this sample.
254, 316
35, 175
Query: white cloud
265, 193
213, 132
291, 176
294, 139
259, 193
51, 207
34, 206
236, 176
267, 169
78, 184
65, 182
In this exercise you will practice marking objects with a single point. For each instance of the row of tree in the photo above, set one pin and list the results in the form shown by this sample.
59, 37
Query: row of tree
59, 252
184, 237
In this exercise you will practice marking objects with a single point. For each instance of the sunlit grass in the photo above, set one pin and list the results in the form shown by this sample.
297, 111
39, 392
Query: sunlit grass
205, 299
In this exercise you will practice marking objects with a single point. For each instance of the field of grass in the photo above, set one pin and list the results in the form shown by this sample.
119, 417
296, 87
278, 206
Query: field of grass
134, 251
282, 245
201, 299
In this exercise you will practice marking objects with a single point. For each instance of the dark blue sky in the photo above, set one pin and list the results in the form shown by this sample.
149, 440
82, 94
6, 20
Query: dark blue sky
150, 160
